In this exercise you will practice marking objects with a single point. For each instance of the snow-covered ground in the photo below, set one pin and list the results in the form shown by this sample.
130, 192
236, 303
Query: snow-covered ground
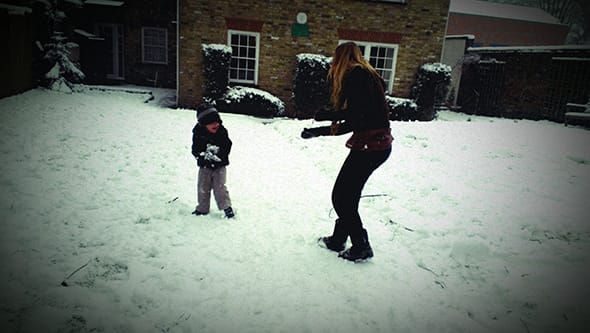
478, 225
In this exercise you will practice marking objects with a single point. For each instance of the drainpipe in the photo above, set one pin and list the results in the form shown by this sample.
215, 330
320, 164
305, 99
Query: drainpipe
445, 34
177, 49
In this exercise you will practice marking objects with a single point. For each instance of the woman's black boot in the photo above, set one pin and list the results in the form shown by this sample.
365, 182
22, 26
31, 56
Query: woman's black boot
337, 241
361, 250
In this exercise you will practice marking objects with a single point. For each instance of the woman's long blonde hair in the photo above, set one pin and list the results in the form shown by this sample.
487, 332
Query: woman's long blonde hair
346, 56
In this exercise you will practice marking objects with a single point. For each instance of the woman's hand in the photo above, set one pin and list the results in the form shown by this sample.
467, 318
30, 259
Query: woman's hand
308, 133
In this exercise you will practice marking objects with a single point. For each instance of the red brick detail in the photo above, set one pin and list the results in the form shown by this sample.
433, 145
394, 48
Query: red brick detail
370, 36
243, 24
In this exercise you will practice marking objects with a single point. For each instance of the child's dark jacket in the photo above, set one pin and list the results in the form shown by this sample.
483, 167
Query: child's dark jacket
203, 138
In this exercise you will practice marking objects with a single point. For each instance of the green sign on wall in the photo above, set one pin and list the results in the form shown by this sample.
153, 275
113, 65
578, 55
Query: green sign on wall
299, 30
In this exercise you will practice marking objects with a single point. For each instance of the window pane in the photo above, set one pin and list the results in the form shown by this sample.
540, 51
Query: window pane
154, 45
382, 58
243, 62
373, 52
386, 75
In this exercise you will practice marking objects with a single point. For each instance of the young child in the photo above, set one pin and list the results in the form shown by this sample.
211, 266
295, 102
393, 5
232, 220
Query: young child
211, 147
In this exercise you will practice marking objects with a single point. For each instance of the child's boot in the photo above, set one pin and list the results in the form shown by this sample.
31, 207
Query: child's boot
196, 212
229, 213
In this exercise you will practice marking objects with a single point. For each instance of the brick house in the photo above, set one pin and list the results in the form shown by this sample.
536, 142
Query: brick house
498, 24
397, 35
120, 42
131, 41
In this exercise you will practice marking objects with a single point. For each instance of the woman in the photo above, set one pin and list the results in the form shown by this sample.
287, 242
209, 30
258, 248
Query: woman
358, 98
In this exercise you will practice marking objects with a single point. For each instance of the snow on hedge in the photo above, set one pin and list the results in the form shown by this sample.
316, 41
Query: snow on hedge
238, 94
437, 67
312, 59
216, 47
398, 101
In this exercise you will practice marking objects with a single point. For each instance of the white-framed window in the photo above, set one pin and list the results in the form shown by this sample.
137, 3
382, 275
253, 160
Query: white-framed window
243, 67
381, 56
154, 43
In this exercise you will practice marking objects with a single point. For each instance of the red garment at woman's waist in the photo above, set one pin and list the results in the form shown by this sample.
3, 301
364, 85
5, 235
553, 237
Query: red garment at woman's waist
370, 140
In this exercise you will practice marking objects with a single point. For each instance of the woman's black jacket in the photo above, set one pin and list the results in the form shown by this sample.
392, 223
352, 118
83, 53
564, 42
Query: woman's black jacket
366, 108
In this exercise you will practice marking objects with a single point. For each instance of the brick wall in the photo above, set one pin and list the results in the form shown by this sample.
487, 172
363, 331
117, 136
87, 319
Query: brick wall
419, 26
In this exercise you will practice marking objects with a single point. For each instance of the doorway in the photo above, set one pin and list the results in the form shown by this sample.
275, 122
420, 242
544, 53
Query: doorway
113, 35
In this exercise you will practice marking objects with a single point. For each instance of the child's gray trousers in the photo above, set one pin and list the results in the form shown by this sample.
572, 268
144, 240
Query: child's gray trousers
212, 180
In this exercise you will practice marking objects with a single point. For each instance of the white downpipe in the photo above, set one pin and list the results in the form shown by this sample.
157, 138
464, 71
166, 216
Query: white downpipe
177, 50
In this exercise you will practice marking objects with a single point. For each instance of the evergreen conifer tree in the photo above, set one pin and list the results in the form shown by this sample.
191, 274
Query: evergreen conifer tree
62, 71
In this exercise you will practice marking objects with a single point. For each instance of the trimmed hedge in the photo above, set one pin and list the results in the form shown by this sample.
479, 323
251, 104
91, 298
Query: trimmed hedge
251, 101
402, 109
431, 87
310, 91
216, 60
241, 100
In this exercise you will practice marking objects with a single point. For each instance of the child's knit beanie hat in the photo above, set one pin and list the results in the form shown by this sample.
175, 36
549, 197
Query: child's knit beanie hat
207, 114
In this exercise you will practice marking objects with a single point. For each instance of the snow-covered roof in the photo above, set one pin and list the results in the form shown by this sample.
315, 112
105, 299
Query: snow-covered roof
465, 36
87, 34
105, 3
75, 2
530, 49
493, 9
15, 10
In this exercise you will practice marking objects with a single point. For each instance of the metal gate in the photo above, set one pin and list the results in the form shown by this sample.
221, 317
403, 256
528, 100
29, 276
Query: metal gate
491, 88
569, 83
482, 88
